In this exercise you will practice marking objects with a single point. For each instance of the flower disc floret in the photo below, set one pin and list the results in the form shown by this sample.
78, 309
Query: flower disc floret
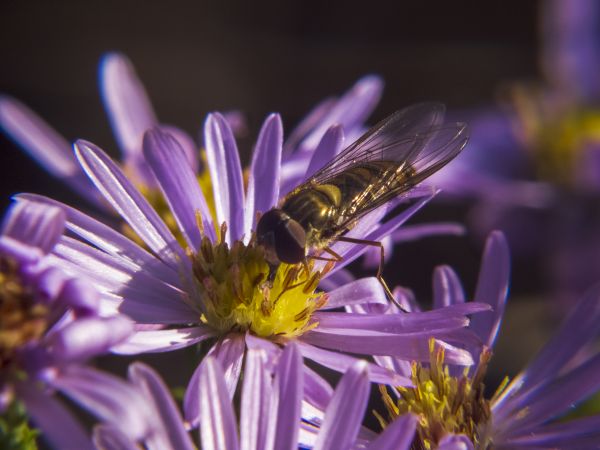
445, 403
238, 295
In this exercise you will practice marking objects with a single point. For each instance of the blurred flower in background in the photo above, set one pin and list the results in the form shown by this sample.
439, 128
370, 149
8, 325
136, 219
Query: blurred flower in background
533, 164
49, 327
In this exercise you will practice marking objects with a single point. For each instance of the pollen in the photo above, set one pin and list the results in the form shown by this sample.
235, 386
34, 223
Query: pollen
445, 403
22, 320
238, 296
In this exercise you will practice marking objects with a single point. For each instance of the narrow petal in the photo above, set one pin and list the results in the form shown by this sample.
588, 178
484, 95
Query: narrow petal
351, 110
179, 185
581, 433
411, 233
455, 442
412, 347
44, 144
309, 122
397, 435
226, 175
127, 104
168, 414
556, 397
57, 424
578, 329
447, 289
109, 437
128, 201
364, 290
156, 341
89, 336
341, 362
34, 224
492, 287
109, 240
317, 391
107, 397
346, 410
255, 410
263, 182
218, 428
329, 147
229, 352
289, 382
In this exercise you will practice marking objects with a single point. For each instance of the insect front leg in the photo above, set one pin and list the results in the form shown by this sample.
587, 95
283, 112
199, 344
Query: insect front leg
386, 288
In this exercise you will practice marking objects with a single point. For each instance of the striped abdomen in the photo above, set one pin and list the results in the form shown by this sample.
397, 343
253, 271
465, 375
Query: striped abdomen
326, 210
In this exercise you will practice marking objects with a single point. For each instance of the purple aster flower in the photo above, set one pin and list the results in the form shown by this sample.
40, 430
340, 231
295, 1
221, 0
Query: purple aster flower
529, 411
49, 326
269, 412
214, 289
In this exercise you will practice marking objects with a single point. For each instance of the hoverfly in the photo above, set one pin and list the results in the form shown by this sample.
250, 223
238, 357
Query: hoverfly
387, 161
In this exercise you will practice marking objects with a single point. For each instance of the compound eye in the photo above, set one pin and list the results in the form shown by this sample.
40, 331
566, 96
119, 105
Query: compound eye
290, 242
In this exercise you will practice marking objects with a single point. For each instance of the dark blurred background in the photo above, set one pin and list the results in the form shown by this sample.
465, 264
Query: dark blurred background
195, 57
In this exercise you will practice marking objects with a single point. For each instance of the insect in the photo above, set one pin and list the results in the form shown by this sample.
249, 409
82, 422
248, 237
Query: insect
387, 161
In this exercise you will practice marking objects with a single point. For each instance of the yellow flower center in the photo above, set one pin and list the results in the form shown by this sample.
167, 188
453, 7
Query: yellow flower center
444, 403
237, 295
557, 136
22, 320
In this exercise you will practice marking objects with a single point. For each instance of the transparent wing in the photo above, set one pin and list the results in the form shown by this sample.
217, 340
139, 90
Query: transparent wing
409, 146
389, 140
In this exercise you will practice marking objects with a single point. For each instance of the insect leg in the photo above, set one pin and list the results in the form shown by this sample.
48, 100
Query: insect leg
386, 288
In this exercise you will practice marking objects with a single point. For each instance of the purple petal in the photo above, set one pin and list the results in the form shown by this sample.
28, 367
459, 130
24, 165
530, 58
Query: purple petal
44, 144
555, 398
455, 442
57, 424
80, 296
492, 287
256, 414
107, 397
346, 410
289, 382
308, 123
447, 289
34, 224
336, 280
226, 175
109, 240
364, 290
582, 433
168, 415
397, 435
108, 437
351, 110
330, 145
317, 391
447, 318
185, 141
341, 362
128, 201
578, 329
411, 233
88, 336
128, 106
137, 293
263, 183
412, 347
229, 352
218, 428
179, 185
156, 341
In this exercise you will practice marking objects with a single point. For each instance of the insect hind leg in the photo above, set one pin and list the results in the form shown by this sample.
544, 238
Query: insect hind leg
380, 278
